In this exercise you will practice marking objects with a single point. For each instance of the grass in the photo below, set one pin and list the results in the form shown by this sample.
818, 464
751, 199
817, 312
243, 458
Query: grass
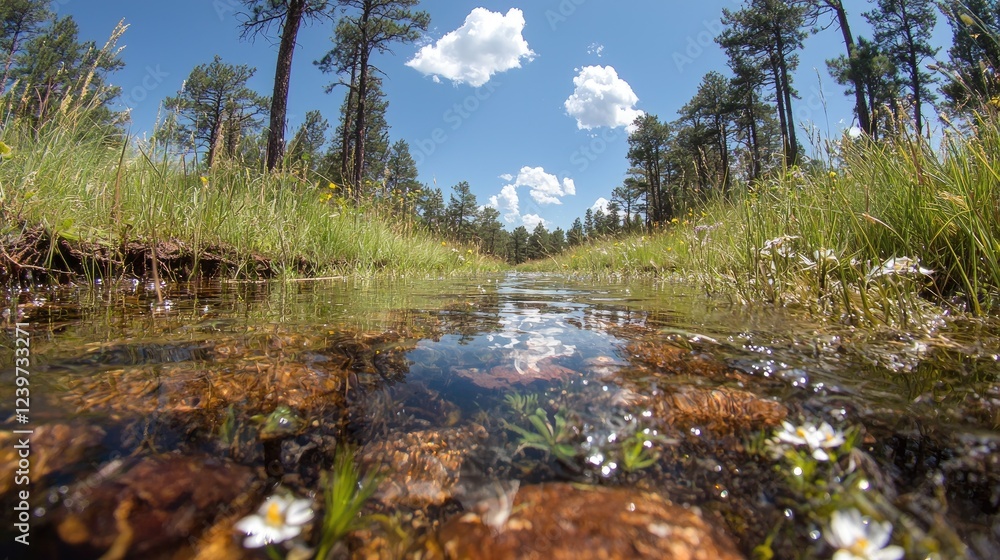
824, 238
345, 492
93, 190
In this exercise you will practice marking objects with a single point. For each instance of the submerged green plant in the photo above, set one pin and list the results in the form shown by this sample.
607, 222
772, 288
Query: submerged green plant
638, 452
345, 491
550, 436
521, 404
227, 431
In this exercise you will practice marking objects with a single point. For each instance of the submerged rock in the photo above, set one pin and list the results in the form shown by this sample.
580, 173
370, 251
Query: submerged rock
421, 468
562, 521
53, 447
158, 503
508, 376
722, 410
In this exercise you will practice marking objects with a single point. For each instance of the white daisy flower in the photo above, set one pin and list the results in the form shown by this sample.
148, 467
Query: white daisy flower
278, 519
816, 438
859, 539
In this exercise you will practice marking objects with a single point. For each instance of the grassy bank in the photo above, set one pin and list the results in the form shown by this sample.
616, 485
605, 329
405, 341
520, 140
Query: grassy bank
875, 232
67, 189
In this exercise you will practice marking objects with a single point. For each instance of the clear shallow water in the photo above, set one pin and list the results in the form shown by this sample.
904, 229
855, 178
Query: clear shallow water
426, 378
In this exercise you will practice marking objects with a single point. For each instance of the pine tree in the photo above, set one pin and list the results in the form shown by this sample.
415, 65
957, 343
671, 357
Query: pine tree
370, 26
648, 144
575, 236
974, 54
461, 212
538, 242
55, 71
305, 149
851, 70
20, 20
432, 211
518, 250
288, 16
903, 32
761, 40
217, 106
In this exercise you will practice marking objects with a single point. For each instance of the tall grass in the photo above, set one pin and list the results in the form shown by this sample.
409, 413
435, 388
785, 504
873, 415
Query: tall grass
107, 190
874, 234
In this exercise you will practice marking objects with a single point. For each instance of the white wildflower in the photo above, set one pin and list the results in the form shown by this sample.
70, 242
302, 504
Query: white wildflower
278, 519
816, 438
858, 539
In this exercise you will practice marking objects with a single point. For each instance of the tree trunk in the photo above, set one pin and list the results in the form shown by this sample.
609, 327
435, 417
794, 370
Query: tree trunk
782, 117
282, 79
359, 122
860, 105
346, 132
786, 90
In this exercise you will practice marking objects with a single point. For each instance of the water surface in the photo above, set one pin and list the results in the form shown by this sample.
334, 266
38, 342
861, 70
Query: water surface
448, 388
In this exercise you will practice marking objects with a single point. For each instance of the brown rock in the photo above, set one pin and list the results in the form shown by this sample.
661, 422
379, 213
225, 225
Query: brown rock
53, 447
507, 376
722, 410
161, 501
569, 522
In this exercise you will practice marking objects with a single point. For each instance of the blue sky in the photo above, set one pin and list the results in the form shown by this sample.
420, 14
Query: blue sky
528, 108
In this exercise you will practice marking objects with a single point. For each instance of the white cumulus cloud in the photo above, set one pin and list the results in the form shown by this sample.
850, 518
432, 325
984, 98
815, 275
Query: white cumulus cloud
486, 44
601, 98
508, 203
544, 188
530, 221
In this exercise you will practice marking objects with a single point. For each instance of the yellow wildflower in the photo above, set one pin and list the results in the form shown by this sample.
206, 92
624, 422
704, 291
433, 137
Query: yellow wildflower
332, 186
833, 174
204, 181
444, 243
5, 151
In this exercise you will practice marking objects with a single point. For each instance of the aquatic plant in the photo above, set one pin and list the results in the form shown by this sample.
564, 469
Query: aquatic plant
279, 518
227, 430
550, 436
345, 492
521, 404
637, 452
281, 422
